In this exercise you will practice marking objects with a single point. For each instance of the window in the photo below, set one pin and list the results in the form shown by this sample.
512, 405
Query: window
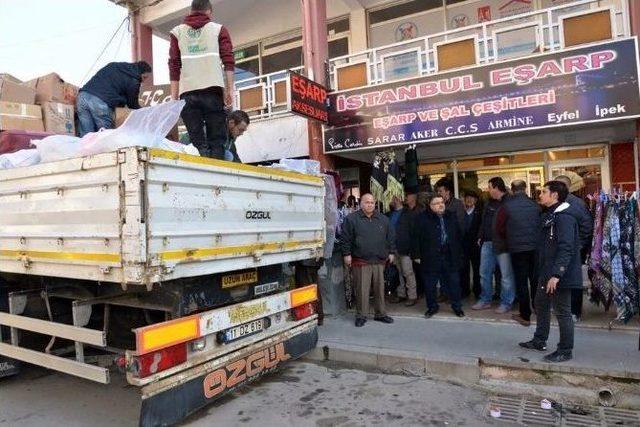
283, 60
338, 47
284, 51
403, 9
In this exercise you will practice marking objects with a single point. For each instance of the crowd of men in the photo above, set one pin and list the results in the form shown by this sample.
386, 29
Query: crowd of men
531, 248
201, 67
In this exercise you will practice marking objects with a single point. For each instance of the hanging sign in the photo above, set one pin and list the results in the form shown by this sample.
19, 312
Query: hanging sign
308, 98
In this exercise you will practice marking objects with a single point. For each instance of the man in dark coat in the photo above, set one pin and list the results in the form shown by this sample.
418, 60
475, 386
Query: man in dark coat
471, 262
117, 84
578, 209
403, 219
518, 222
444, 188
367, 244
438, 243
559, 271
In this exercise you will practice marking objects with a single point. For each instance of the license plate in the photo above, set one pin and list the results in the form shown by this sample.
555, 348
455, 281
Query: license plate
239, 279
243, 330
265, 288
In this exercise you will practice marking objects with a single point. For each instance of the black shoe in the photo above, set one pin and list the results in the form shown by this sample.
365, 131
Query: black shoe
458, 312
360, 321
557, 357
394, 299
533, 345
431, 312
410, 302
383, 319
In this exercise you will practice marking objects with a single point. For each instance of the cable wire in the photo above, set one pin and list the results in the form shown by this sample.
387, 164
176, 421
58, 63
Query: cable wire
105, 48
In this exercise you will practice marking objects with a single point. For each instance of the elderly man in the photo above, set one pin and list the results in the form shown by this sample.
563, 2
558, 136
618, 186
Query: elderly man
367, 244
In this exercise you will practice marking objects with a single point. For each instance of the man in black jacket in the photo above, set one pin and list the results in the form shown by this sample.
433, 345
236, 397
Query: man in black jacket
444, 188
518, 222
403, 220
117, 84
471, 262
438, 243
559, 271
578, 209
368, 242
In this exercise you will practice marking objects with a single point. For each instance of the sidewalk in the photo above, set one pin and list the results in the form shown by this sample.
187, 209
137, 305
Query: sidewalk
486, 353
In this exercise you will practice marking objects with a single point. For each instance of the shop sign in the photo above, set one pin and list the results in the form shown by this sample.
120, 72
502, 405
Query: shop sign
154, 95
308, 98
587, 85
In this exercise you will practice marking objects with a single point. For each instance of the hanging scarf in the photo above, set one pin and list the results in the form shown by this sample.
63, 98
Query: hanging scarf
386, 179
628, 298
411, 169
600, 286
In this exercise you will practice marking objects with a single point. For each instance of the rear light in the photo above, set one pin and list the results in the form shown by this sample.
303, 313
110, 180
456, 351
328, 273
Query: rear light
303, 311
163, 335
303, 295
158, 361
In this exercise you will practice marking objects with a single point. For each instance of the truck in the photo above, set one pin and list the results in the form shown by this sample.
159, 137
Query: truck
161, 266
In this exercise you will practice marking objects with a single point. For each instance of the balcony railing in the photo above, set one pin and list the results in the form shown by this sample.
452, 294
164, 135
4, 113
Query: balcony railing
497, 40
265, 96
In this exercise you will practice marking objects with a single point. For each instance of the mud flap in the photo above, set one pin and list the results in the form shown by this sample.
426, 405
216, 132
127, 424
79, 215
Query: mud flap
176, 403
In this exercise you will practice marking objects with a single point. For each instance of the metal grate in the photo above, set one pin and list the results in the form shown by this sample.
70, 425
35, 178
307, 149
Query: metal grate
528, 412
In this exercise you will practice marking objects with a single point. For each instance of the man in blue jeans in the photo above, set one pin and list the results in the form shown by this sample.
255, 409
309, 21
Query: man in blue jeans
117, 84
493, 251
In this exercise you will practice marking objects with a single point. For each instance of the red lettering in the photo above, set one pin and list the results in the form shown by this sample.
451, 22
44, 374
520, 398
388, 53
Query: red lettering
255, 364
215, 383
237, 372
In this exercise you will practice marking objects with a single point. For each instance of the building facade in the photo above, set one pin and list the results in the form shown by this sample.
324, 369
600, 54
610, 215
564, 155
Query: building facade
404, 48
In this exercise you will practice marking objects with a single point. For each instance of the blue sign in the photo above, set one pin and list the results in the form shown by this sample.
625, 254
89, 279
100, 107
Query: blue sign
585, 85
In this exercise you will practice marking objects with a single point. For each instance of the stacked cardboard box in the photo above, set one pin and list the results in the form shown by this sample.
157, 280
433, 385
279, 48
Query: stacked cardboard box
17, 111
57, 99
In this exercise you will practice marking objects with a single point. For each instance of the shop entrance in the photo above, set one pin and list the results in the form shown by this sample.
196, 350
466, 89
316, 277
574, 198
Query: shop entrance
587, 166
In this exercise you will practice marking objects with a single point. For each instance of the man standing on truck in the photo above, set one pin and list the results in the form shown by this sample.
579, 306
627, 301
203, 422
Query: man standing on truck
367, 244
199, 49
117, 84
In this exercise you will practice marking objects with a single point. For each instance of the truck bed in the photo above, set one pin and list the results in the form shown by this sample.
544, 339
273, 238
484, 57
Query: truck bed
139, 216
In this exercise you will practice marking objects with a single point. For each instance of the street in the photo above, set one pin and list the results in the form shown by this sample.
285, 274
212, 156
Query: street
303, 394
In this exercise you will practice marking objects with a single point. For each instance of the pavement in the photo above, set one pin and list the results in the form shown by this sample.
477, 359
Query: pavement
473, 351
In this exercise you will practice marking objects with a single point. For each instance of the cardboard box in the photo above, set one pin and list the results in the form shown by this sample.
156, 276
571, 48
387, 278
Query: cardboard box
121, 115
17, 116
58, 118
11, 78
16, 92
51, 88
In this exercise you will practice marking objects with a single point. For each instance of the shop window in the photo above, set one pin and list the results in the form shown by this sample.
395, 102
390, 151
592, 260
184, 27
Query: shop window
403, 9
433, 168
587, 27
283, 60
577, 153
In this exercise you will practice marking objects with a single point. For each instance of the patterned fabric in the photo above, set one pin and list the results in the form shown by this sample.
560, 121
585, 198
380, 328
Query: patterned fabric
606, 259
626, 301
